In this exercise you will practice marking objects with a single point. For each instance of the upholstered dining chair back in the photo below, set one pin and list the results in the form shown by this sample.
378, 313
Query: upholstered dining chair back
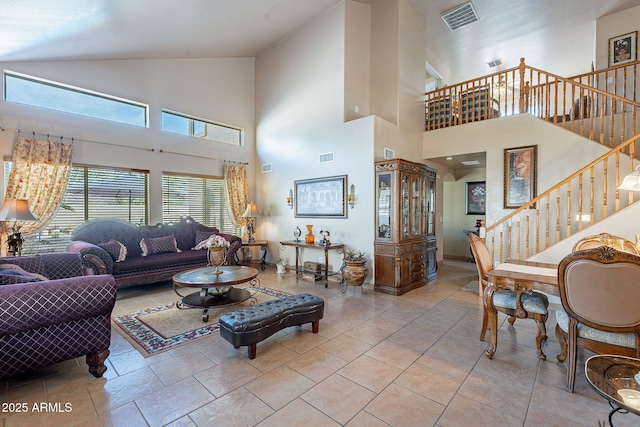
600, 294
606, 239
482, 257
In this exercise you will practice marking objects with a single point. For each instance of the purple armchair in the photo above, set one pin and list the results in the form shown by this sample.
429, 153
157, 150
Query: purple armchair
43, 322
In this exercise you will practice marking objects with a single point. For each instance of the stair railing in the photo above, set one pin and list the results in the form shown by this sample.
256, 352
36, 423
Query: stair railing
584, 198
621, 80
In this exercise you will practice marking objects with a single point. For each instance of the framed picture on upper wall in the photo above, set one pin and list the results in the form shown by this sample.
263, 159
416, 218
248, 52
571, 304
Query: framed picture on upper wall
476, 198
321, 197
623, 49
520, 165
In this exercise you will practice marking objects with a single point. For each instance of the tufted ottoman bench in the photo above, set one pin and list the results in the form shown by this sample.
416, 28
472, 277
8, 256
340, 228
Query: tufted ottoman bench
254, 324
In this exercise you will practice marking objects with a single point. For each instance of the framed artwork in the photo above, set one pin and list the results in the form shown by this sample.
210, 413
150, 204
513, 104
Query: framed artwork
321, 197
520, 165
476, 198
623, 49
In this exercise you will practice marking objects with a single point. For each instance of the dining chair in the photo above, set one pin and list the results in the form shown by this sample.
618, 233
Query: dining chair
606, 239
599, 291
522, 304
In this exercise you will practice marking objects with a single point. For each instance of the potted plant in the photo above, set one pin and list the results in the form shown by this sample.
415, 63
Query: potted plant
354, 269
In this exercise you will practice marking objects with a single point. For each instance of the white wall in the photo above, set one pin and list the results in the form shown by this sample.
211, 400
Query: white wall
301, 97
614, 25
216, 89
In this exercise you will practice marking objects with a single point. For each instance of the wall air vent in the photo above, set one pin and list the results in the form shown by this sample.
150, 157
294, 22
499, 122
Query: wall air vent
266, 168
389, 153
326, 158
460, 16
494, 63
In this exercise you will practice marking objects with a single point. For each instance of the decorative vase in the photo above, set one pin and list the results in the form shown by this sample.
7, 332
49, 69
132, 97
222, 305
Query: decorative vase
354, 272
309, 238
216, 256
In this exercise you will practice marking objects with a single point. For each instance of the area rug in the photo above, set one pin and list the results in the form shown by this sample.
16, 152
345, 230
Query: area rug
157, 329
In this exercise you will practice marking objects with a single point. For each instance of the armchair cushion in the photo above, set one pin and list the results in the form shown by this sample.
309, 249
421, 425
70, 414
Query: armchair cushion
619, 339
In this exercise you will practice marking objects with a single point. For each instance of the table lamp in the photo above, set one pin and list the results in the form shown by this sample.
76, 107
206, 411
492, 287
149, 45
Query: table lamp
250, 213
15, 210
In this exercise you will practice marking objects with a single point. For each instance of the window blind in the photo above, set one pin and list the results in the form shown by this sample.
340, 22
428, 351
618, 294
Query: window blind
202, 198
92, 192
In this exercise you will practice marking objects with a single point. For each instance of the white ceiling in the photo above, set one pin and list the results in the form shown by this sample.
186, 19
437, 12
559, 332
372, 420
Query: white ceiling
124, 29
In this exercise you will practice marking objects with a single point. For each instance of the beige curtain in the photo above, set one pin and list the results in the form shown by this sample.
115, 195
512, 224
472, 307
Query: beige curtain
237, 192
40, 173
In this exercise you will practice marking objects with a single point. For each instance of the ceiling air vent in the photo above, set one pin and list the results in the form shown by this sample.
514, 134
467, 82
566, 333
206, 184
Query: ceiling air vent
494, 63
326, 158
266, 168
389, 153
460, 16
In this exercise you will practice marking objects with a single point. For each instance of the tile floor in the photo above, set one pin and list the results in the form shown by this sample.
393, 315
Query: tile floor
378, 360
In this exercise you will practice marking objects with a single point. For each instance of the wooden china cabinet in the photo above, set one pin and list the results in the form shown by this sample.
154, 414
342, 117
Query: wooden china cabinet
405, 244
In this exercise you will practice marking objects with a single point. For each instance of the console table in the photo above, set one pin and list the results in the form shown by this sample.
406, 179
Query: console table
326, 248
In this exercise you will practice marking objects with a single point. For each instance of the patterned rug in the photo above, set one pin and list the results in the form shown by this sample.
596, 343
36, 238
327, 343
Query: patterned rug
157, 329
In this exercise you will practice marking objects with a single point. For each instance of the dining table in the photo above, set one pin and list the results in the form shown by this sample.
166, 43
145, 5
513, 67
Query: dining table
518, 276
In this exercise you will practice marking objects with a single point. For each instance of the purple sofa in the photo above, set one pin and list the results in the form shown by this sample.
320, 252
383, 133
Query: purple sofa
43, 322
137, 269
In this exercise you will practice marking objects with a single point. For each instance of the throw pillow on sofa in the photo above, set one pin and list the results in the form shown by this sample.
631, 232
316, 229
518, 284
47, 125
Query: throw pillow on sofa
117, 250
158, 245
11, 274
201, 239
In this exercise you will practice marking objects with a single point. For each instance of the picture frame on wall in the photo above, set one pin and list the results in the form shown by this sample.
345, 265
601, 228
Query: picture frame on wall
520, 175
623, 49
476, 198
321, 197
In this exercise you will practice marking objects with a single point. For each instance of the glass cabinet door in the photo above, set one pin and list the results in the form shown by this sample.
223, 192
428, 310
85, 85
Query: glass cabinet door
416, 205
431, 207
383, 200
404, 206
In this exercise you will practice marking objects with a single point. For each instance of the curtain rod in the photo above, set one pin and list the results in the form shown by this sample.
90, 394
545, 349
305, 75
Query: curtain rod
48, 136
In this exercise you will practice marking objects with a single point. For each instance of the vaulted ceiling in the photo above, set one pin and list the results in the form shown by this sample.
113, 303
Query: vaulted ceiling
32, 30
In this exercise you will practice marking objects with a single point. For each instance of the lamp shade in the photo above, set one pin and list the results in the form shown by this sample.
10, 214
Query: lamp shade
251, 211
16, 210
631, 182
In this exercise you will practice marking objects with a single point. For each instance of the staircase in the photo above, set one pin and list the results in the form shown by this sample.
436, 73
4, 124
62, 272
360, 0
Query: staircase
601, 105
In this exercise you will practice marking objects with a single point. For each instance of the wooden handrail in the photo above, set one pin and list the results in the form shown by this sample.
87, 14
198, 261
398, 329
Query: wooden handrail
544, 215
588, 108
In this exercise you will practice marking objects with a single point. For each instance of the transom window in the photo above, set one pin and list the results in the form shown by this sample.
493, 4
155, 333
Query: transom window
37, 92
202, 198
200, 128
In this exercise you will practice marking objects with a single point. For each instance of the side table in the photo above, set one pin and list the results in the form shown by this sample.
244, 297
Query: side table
613, 377
264, 247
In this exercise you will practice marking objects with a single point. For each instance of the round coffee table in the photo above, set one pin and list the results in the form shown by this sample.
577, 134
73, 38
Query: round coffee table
613, 377
215, 289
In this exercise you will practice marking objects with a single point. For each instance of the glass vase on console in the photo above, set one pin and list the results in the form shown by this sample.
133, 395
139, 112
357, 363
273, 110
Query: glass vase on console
309, 238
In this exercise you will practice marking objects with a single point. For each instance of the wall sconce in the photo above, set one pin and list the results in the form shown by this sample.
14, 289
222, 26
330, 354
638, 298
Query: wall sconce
290, 199
632, 181
351, 198
16, 210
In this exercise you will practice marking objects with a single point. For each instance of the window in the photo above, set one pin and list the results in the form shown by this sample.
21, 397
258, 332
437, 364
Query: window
200, 128
60, 97
202, 198
92, 192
